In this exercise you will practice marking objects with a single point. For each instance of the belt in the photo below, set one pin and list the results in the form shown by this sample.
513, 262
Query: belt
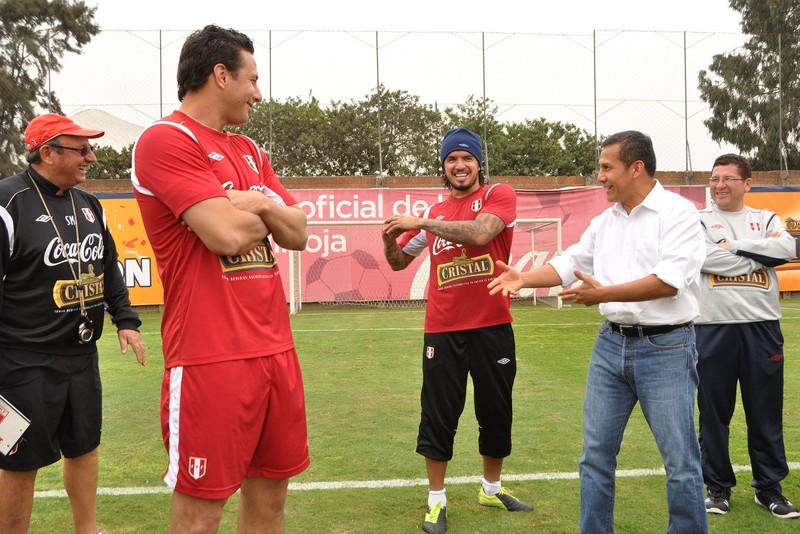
638, 330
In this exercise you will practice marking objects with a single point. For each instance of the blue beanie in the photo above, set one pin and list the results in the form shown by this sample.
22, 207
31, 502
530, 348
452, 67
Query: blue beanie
462, 139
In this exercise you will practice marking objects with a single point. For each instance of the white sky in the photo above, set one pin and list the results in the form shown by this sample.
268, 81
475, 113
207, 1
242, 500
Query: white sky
537, 58
512, 16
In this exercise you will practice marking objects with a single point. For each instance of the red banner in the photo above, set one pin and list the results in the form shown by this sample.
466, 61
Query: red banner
344, 257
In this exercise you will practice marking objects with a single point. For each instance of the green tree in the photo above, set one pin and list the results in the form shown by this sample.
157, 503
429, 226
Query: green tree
343, 139
542, 148
294, 137
408, 132
111, 164
529, 148
754, 91
388, 130
34, 35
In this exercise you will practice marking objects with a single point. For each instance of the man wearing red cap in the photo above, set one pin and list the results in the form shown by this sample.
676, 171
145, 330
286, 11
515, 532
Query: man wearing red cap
58, 272
467, 331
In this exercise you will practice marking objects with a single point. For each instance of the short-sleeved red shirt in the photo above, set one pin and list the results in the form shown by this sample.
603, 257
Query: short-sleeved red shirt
215, 308
458, 298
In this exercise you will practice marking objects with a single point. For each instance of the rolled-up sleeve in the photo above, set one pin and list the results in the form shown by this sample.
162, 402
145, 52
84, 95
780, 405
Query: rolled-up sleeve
681, 246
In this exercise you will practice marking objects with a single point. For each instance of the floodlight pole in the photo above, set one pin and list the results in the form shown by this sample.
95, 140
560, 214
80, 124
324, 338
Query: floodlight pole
485, 129
378, 95
594, 89
160, 76
687, 175
269, 75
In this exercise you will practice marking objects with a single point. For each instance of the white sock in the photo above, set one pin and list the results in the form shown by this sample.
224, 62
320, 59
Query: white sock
437, 496
491, 488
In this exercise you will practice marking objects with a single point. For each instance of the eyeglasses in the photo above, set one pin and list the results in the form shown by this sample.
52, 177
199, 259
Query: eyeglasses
725, 179
84, 150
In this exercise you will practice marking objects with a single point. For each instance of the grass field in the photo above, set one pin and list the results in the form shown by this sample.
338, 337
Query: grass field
362, 378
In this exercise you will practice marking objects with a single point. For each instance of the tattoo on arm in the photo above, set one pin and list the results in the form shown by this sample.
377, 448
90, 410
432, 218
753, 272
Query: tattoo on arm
485, 226
395, 256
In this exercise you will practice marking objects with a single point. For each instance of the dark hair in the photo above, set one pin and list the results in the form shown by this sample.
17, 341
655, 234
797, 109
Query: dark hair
634, 146
745, 169
446, 182
34, 157
206, 48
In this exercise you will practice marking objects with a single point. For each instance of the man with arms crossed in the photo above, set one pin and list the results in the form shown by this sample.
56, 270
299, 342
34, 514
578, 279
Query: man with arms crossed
58, 273
640, 260
466, 330
233, 411
739, 339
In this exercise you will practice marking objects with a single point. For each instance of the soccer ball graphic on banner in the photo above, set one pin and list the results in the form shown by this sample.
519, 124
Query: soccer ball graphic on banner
354, 277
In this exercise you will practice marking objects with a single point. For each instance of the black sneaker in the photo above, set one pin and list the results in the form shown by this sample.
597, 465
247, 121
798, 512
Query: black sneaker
718, 501
436, 519
504, 501
774, 501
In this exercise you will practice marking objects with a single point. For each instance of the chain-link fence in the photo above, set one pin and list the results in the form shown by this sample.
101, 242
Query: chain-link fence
602, 82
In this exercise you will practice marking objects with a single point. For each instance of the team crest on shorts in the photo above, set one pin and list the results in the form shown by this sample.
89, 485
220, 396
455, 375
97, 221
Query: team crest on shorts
429, 352
197, 467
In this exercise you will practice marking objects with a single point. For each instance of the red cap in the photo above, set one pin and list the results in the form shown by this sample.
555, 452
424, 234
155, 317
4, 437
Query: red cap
45, 127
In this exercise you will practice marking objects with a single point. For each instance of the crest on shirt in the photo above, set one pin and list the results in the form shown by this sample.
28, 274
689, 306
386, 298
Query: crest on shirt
197, 467
88, 213
250, 161
477, 205
755, 226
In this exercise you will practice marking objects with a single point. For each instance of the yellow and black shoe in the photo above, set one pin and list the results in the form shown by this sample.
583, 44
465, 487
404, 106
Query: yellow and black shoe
436, 519
504, 501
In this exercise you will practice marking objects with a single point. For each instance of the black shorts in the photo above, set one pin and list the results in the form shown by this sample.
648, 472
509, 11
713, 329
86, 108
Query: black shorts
62, 397
488, 355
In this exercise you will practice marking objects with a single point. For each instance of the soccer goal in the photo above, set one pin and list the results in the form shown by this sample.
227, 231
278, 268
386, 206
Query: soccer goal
343, 264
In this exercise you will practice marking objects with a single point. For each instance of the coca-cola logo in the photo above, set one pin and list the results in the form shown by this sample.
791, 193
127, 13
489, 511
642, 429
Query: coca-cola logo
440, 245
90, 249
258, 187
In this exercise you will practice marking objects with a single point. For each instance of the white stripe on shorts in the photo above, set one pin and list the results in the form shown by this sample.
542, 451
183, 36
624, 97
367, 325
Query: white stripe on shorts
175, 381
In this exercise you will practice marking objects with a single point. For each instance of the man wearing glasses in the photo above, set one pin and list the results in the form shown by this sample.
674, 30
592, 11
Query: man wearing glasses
739, 339
58, 271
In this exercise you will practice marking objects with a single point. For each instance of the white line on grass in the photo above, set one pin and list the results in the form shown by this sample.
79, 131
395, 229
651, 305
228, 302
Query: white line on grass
396, 483
516, 325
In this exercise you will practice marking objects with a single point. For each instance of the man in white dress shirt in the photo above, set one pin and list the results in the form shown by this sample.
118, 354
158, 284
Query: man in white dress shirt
640, 260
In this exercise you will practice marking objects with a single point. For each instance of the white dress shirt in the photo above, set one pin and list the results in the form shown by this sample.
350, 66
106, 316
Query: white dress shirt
660, 236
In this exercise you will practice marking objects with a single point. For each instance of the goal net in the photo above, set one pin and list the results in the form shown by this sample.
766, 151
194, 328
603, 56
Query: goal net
343, 264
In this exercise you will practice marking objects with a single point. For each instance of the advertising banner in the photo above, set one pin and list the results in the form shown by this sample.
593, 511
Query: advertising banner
785, 202
344, 256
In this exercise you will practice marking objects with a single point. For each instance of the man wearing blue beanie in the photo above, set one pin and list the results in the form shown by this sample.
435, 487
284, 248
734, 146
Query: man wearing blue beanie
467, 331
462, 139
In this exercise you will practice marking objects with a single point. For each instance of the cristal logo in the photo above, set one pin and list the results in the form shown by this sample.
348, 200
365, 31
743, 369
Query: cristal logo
440, 245
91, 249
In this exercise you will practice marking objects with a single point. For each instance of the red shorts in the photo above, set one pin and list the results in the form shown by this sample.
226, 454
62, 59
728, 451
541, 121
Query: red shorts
224, 422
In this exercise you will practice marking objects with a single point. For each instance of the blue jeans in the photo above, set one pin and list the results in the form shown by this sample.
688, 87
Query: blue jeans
660, 372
